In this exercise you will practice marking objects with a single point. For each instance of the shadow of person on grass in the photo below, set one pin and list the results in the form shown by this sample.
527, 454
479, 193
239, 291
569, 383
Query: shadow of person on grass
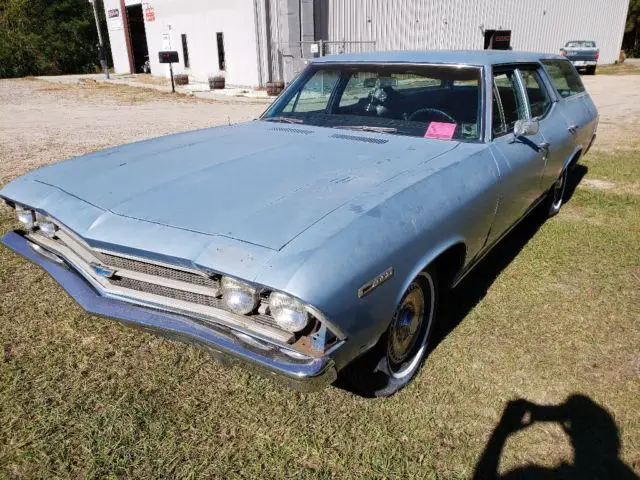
591, 429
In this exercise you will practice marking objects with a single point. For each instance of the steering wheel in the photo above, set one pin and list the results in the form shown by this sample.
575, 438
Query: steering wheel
431, 112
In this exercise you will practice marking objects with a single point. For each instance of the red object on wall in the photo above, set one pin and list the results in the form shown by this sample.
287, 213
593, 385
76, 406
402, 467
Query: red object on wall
150, 14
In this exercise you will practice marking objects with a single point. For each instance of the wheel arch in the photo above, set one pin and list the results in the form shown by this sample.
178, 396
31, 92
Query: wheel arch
573, 158
448, 259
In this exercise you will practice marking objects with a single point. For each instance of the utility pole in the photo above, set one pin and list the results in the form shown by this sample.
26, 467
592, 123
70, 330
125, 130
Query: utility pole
102, 53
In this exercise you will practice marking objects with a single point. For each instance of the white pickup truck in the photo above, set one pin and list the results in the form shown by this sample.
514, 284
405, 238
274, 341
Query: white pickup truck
583, 54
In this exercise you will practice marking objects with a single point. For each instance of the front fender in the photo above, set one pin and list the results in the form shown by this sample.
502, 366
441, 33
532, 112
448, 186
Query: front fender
404, 225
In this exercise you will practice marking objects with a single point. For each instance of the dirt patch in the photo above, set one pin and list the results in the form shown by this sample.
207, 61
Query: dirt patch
618, 102
598, 184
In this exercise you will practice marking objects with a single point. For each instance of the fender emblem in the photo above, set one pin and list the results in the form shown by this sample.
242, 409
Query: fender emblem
103, 271
371, 285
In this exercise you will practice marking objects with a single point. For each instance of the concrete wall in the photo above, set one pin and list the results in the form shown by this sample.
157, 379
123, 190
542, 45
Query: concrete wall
540, 25
200, 20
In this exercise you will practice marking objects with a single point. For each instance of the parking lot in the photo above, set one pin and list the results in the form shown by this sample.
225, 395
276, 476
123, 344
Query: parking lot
553, 314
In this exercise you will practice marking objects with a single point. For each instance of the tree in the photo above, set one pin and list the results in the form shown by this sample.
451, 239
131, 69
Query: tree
44, 37
632, 29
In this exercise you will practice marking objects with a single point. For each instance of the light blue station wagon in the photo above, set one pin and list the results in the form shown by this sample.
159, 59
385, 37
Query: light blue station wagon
315, 242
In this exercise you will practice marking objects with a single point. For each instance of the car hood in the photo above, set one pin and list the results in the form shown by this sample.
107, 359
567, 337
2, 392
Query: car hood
261, 182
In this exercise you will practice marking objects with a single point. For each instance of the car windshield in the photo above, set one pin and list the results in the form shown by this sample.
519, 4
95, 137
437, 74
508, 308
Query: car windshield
441, 102
580, 44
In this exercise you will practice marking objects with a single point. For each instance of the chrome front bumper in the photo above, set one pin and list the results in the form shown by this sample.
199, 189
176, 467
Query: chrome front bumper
226, 345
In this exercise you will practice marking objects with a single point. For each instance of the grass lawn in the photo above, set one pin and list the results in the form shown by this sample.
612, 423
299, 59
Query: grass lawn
552, 313
625, 68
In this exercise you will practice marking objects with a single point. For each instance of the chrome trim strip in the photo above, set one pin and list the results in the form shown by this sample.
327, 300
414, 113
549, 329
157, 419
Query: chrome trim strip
45, 253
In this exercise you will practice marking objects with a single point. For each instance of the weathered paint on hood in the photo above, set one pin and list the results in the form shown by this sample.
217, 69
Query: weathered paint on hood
262, 183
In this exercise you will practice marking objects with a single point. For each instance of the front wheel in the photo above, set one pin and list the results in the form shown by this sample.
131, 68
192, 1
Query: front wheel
397, 357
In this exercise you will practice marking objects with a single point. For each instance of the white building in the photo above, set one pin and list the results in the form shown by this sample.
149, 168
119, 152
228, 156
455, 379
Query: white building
256, 41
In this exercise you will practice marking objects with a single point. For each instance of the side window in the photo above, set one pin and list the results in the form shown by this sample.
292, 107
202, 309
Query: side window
508, 105
564, 77
537, 94
315, 94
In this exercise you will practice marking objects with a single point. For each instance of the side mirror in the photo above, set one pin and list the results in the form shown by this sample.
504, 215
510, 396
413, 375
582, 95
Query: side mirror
525, 128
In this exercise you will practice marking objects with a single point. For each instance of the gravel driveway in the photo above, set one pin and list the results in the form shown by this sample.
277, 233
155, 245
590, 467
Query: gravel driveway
43, 122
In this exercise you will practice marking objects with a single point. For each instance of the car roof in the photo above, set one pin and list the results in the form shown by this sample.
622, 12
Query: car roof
465, 57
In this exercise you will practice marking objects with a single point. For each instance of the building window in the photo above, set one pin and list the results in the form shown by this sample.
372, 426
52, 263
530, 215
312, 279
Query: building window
221, 62
185, 51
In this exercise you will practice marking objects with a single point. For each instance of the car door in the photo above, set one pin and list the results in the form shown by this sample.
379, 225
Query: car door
521, 160
573, 101
543, 107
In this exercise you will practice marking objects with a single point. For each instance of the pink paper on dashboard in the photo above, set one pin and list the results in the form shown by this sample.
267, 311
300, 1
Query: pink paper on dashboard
440, 130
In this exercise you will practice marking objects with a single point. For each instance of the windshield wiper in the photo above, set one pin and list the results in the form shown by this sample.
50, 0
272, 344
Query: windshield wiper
283, 119
368, 128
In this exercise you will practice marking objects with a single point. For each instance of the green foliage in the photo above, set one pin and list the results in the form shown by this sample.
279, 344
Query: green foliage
46, 37
631, 41
633, 16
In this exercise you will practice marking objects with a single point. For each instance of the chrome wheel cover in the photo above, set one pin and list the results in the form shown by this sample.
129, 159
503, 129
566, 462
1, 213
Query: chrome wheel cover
410, 328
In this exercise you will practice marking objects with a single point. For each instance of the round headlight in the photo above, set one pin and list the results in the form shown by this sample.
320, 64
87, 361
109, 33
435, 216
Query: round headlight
288, 312
46, 226
25, 216
240, 297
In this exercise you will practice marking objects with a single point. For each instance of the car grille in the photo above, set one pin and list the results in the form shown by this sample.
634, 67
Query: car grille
174, 288
168, 292
185, 296
156, 270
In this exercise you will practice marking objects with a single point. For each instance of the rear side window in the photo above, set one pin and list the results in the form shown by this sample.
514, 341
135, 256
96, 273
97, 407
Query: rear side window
564, 77
508, 105
537, 94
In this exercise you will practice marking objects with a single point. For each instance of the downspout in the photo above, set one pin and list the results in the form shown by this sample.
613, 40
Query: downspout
256, 18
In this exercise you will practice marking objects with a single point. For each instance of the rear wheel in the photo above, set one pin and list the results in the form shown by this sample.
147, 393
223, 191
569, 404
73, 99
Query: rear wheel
556, 194
591, 70
397, 357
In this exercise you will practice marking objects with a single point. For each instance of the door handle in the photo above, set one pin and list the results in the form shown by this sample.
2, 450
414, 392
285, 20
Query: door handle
573, 128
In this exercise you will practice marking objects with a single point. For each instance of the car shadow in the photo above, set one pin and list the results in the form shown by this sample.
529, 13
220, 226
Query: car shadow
593, 433
458, 302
